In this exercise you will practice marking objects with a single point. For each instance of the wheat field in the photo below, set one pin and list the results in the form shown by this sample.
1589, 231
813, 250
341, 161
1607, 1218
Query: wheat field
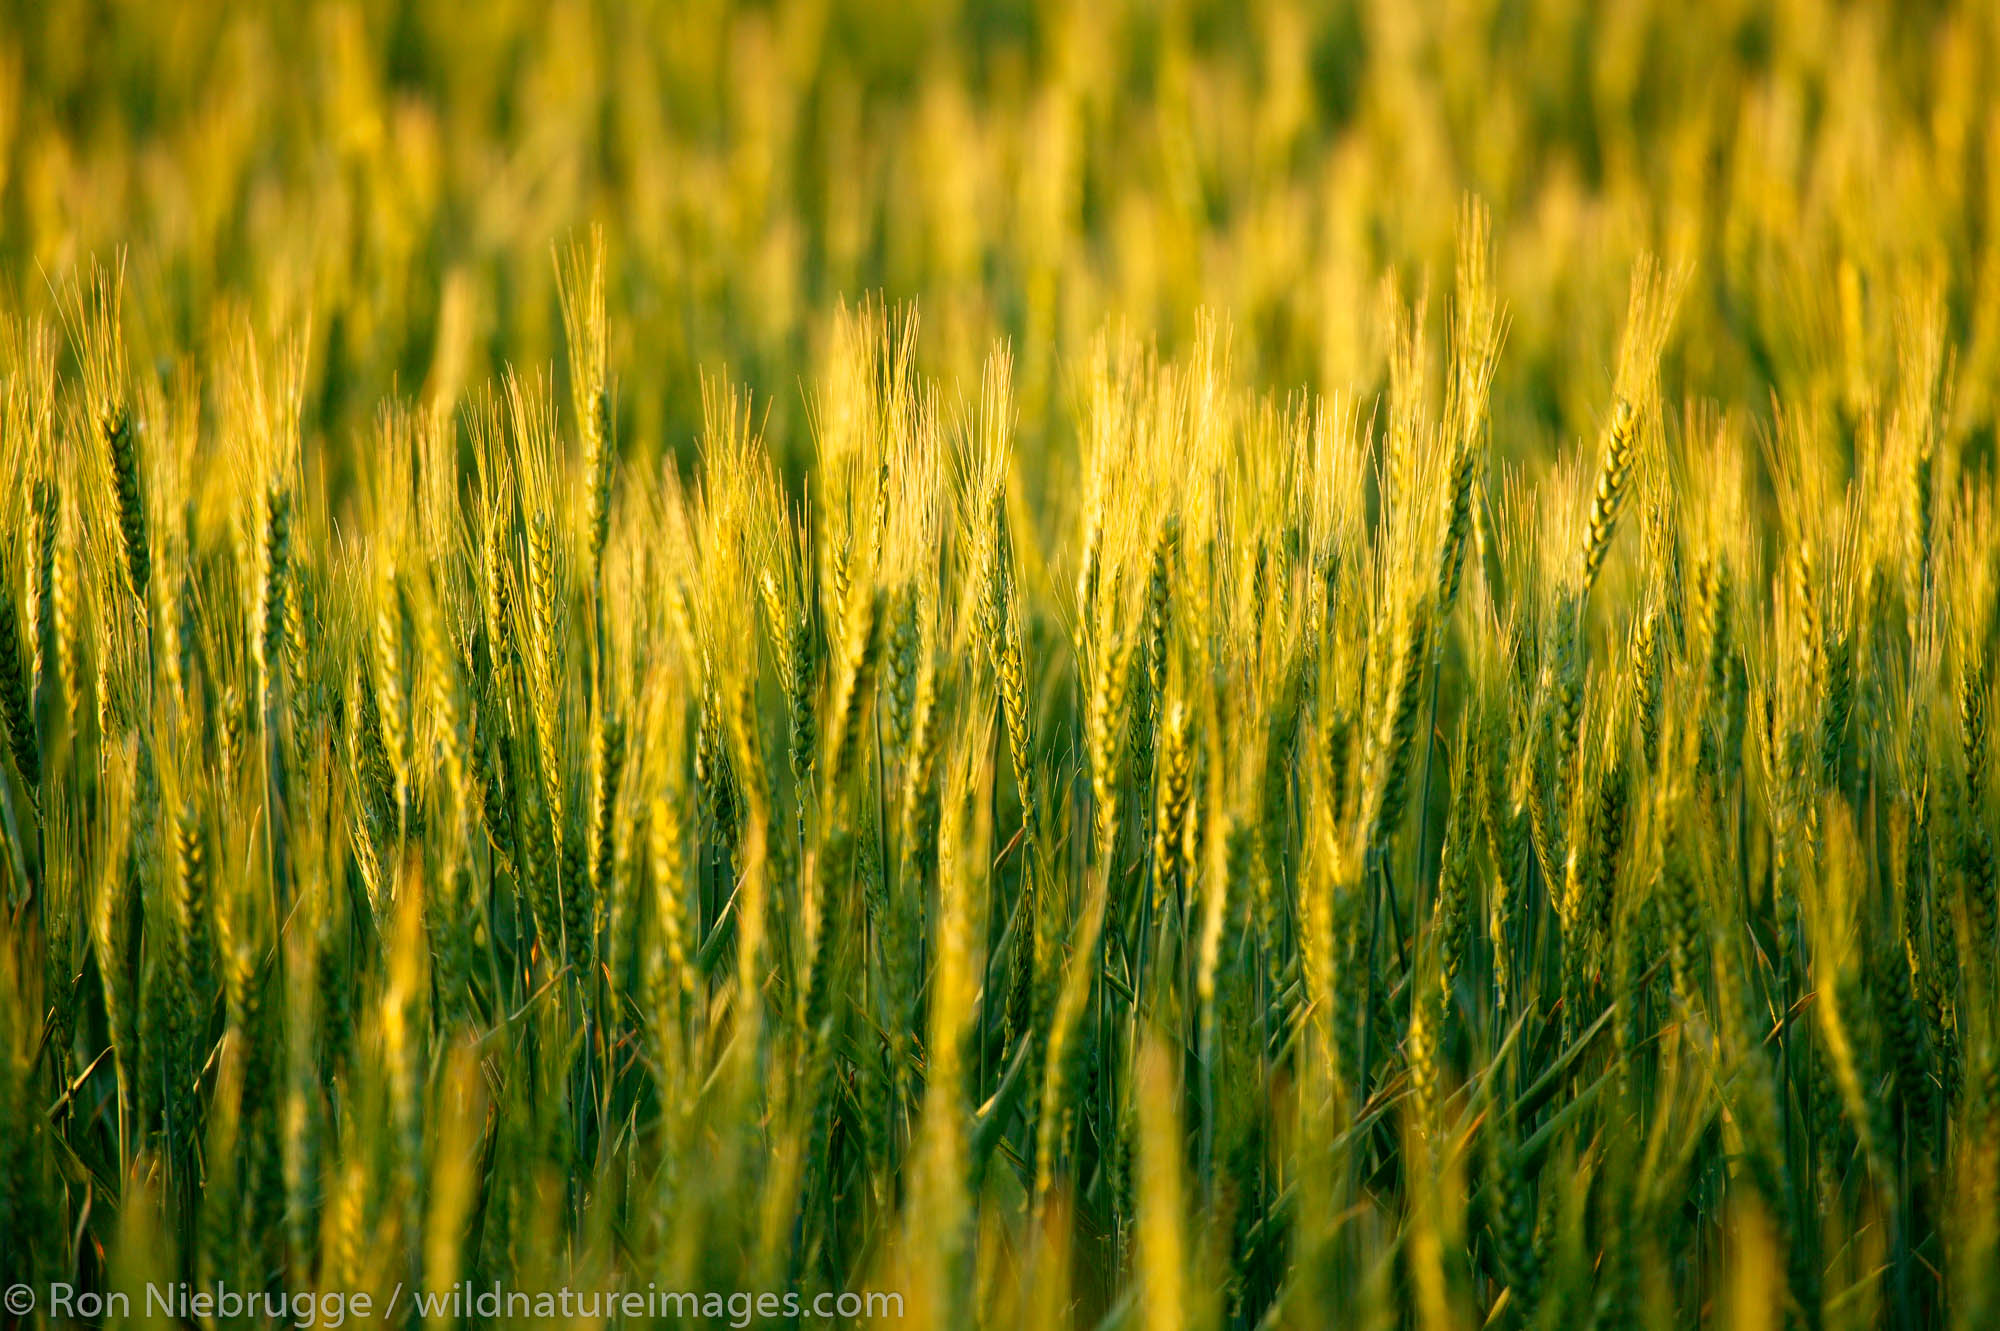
1000, 663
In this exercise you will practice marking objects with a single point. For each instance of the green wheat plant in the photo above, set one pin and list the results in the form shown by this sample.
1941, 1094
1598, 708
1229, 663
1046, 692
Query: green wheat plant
1001, 665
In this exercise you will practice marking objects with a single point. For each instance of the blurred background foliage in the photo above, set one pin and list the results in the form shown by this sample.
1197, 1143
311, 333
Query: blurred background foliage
396, 174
